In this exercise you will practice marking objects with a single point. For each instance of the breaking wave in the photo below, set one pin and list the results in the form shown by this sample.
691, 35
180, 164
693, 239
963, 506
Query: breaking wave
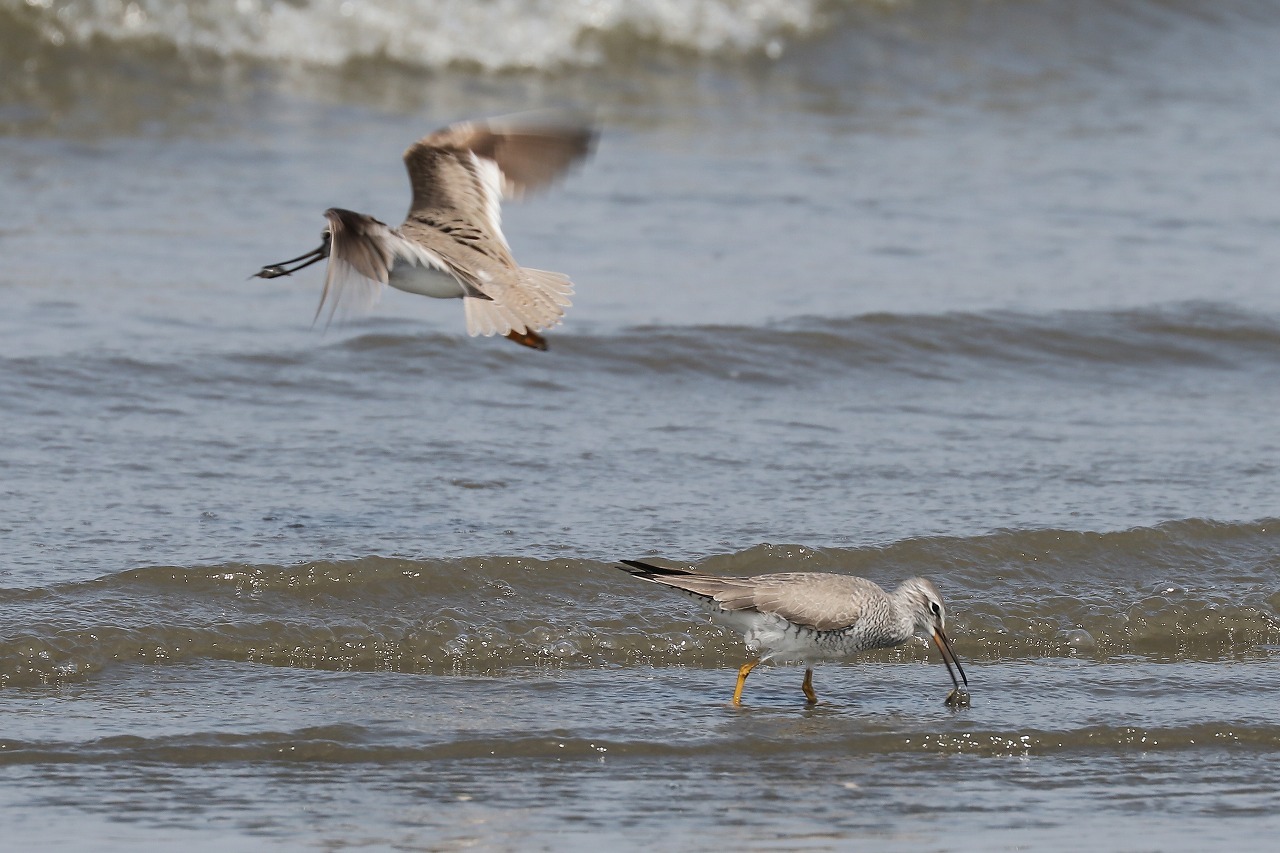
1189, 590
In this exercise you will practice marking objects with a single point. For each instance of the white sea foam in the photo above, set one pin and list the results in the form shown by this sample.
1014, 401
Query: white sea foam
496, 35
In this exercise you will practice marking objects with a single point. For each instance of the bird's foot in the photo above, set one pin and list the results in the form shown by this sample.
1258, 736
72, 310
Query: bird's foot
811, 698
533, 340
958, 698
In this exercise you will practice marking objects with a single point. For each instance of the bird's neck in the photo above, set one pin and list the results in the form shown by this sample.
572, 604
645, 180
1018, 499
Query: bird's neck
904, 621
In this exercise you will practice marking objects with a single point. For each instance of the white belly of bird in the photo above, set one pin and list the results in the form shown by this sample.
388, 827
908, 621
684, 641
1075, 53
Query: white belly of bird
776, 639
425, 281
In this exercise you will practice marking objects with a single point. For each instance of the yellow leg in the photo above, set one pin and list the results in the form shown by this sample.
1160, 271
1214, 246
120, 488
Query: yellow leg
807, 687
743, 672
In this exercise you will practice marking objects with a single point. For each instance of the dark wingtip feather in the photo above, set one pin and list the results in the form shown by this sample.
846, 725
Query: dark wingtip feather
648, 571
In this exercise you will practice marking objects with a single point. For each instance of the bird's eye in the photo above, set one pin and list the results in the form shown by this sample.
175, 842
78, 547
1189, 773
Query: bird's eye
937, 610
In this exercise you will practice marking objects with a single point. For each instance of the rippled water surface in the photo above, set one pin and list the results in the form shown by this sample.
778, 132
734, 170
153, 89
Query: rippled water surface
980, 291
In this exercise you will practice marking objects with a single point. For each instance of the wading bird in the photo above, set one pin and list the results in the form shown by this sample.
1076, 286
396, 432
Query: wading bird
814, 616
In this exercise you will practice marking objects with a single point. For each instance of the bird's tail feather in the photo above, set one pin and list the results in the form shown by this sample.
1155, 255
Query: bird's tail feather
536, 303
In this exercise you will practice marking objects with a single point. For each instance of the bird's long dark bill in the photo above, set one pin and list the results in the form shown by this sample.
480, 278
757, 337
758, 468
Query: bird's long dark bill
279, 269
949, 657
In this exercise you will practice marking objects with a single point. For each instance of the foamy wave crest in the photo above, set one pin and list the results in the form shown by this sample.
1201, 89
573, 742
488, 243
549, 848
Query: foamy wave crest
497, 35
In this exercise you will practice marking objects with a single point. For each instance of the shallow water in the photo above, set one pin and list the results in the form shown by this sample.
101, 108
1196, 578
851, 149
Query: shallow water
982, 291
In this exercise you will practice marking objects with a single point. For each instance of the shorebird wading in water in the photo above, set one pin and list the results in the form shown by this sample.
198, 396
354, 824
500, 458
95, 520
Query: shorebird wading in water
814, 616
450, 246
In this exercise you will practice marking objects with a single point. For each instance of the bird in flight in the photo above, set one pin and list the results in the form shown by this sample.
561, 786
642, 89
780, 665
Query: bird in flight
450, 245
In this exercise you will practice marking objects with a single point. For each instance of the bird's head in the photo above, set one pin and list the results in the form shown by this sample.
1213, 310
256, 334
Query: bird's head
931, 617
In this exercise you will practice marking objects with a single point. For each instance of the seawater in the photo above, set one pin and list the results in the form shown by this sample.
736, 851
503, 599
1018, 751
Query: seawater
981, 291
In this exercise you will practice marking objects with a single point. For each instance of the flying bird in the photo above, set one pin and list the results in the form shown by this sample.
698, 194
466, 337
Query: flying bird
450, 245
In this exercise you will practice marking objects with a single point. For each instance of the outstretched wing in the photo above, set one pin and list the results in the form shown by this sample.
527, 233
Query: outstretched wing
362, 251
529, 150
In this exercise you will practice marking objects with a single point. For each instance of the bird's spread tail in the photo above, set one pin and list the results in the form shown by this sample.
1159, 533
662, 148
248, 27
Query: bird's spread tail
541, 298
537, 302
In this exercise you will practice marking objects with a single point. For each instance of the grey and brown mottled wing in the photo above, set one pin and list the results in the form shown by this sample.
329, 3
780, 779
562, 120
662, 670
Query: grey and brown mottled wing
823, 601
530, 151
458, 194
